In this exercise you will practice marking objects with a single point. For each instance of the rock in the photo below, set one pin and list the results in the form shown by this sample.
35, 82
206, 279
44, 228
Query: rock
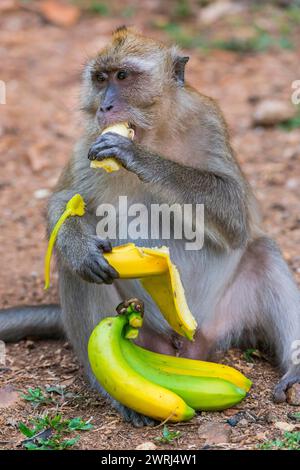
270, 417
271, 112
215, 433
217, 10
243, 422
284, 426
292, 183
61, 14
8, 397
293, 395
41, 193
146, 446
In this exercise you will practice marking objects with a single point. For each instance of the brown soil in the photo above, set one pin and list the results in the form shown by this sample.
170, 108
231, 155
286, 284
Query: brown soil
41, 64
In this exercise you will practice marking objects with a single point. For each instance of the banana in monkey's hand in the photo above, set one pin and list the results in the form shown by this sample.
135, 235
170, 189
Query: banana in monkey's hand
110, 164
159, 386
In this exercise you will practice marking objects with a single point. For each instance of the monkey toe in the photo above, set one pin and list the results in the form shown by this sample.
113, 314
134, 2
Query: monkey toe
279, 392
136, 419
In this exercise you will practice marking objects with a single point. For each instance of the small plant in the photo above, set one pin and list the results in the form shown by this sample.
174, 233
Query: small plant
250, 354
294, 416
36, 397
168, 437
290, 441
292, 123
49, 433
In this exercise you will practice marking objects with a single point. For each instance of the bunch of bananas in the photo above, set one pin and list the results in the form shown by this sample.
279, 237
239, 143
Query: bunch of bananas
159, 386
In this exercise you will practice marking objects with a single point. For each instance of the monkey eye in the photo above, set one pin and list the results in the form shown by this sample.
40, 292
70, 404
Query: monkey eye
100, 77
122, 74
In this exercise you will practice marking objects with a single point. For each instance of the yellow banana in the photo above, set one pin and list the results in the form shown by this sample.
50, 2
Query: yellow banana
110, 164
123, 383
192, 367
160, 277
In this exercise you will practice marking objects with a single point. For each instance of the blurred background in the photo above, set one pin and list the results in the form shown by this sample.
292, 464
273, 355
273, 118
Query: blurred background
245, 54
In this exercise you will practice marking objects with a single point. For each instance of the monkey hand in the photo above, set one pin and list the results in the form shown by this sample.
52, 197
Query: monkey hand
289, 379
112, 145
90, 263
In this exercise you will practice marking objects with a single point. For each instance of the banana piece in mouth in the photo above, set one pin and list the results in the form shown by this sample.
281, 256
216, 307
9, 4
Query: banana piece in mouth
110, 164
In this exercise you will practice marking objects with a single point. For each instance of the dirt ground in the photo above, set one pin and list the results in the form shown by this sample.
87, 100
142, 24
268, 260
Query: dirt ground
40, 64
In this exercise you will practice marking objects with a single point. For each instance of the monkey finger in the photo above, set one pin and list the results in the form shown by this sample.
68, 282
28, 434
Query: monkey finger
103, 243
98, 151
87, 274
106, 268
97, 272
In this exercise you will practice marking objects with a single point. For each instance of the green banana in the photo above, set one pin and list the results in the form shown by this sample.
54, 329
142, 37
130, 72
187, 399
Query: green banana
201, 393
192, 367
125, 384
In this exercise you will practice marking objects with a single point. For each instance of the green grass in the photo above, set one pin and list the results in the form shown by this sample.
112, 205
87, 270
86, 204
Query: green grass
250, 354
183, 8
168, 437
292, 123
289, 441
51, 433
99, 8
260, 42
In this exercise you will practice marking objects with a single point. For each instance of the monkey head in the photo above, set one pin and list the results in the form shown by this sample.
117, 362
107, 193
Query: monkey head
132, 79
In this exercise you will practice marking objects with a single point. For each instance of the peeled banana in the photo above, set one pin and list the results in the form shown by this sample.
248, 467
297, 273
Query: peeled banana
160, 277
110, 164
125, 384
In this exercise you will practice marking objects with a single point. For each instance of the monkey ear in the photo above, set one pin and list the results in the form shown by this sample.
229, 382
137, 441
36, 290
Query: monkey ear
179, 66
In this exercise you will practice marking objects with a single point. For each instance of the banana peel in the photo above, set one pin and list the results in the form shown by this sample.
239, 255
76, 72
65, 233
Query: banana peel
160, 278
110, 164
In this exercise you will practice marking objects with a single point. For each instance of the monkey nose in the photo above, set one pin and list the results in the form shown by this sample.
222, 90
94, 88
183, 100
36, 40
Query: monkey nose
105, 109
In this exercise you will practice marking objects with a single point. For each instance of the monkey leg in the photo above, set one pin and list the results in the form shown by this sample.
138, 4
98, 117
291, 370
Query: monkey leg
261, 306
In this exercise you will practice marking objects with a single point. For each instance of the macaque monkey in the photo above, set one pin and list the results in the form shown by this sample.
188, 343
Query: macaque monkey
238, 286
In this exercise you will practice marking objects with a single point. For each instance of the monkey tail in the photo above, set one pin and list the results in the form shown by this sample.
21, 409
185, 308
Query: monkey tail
42, 322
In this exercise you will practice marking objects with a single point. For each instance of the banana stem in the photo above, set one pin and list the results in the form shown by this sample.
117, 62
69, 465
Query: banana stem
130, 332
135, 320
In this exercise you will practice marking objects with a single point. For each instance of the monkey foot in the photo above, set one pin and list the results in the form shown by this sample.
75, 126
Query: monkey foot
279, 392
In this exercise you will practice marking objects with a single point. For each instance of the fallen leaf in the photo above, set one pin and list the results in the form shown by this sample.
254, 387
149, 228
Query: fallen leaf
284, 426
215, 433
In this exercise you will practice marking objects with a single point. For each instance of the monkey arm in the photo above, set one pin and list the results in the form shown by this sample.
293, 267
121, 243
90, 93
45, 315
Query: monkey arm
223, 195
